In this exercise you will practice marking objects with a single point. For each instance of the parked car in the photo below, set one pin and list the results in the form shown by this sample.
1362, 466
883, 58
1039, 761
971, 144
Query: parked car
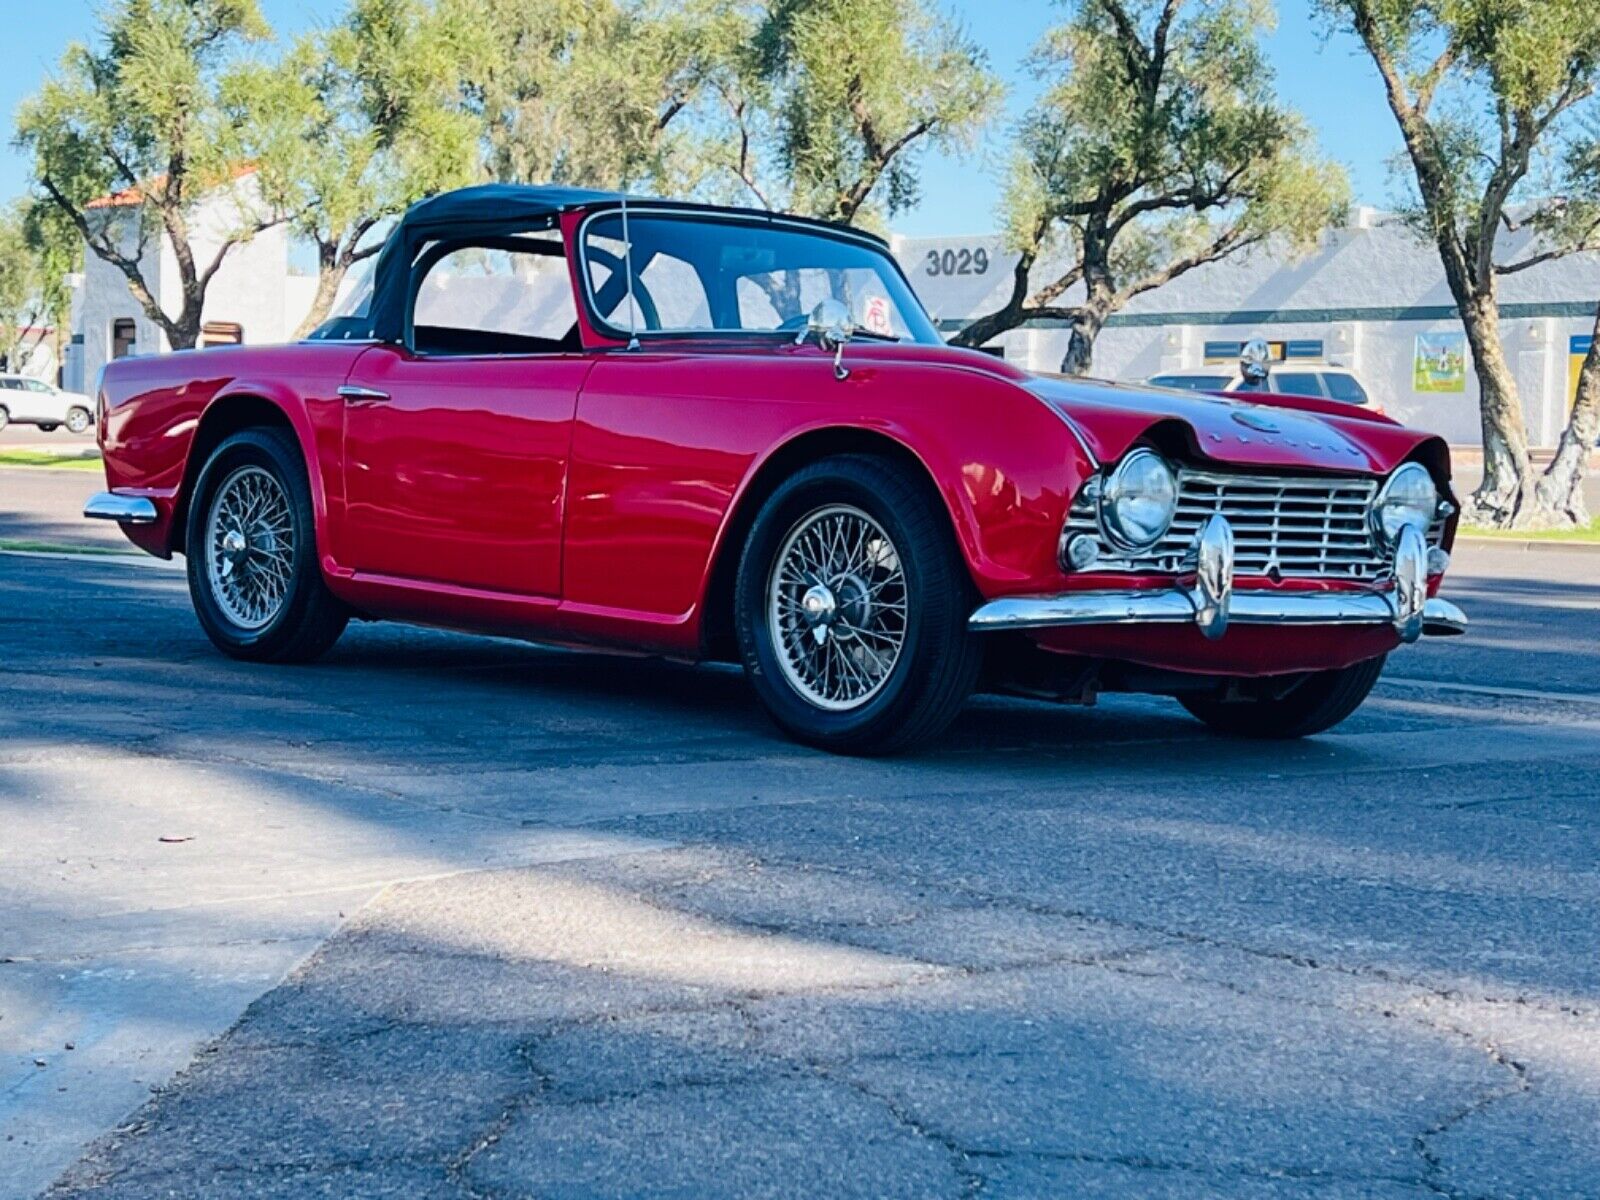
1317, 380
714, 433
27, 401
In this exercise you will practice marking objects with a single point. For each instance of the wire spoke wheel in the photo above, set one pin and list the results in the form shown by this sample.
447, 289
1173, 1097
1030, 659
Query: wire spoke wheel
250, 547
837, 607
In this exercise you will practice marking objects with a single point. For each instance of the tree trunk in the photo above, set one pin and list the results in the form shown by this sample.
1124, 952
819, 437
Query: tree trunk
329, 276
184, 333
1507, 475
1559, 496
1087, 322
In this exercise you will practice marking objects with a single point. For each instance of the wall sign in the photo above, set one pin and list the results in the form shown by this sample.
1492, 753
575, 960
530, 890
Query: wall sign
1439, 363
1577, 351
952, 261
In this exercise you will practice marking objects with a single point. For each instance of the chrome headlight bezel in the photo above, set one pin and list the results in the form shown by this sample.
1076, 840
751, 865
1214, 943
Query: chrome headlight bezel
1144, 478
1409, 497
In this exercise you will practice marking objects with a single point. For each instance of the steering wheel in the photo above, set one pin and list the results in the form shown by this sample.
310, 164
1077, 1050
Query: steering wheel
641, 295
793, 324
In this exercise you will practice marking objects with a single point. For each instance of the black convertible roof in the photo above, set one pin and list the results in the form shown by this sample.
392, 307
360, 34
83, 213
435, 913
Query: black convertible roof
486, 210
490, 210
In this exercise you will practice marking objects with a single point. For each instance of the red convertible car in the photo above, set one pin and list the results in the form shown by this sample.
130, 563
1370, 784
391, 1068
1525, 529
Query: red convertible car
720, 434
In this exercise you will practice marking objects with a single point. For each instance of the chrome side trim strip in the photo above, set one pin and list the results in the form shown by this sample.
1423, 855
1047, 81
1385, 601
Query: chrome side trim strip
129, 510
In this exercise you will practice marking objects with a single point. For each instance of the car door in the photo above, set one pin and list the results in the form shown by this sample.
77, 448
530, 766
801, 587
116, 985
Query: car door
456, 443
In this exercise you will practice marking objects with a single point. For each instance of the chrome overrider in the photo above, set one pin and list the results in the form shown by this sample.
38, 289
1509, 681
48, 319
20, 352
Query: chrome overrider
129, 510
1212, 603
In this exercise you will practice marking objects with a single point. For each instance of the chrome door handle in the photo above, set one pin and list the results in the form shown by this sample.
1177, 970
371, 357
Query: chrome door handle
351, 392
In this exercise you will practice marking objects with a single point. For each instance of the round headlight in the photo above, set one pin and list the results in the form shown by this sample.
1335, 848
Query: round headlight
1137, 502
1408, 498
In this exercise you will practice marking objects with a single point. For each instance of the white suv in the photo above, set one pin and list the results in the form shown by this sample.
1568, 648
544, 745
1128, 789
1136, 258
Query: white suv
34, 402
1285, 378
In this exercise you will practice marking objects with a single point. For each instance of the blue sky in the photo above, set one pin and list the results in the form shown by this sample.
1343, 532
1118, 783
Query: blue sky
1327, 79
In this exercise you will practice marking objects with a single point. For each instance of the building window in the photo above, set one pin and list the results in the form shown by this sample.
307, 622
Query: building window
123, 338
221, 333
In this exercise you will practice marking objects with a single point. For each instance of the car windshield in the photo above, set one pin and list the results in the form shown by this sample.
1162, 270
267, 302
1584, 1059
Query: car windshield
702, 274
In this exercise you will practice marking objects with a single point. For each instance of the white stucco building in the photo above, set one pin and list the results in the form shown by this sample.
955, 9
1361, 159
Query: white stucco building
254, 297
1373, 298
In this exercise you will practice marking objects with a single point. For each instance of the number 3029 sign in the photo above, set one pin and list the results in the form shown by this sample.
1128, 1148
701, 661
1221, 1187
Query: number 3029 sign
950, 261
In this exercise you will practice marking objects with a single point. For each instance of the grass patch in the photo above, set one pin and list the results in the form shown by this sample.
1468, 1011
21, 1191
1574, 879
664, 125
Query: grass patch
47, 458
36, 546
1589, 534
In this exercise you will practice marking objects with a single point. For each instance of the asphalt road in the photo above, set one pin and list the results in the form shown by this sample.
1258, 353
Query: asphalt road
457, 917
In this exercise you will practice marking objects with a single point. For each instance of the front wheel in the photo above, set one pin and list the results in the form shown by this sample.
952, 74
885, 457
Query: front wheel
1318, 702
851, 608
77, 420
252, 551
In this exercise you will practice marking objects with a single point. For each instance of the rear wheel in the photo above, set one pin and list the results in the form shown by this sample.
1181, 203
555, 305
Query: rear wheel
77, 419
5, 416
252, 553
851, 608
1317, 703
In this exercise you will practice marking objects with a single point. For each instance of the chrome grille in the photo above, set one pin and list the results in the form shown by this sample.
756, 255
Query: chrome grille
1305, 527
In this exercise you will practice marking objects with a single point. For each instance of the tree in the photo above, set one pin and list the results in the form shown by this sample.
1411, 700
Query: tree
1159, 147
139, 115
1569, 224
353, 125
824, 105
1481, 90
22, 292
587, 92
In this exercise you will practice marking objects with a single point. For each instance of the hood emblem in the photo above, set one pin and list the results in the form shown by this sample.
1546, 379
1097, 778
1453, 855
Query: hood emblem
1254, 420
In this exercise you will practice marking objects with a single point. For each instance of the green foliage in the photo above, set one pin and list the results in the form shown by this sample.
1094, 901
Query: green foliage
585, 91
20, 303
355, 123
127, 113
853, 88
1164, 115
1488, 94
1157, 145
140, 113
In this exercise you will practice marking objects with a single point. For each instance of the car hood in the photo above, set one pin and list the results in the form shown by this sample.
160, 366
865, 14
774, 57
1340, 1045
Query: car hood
1269, 431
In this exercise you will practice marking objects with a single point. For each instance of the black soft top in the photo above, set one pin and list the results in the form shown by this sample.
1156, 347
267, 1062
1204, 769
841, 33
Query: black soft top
495, 210
490, 209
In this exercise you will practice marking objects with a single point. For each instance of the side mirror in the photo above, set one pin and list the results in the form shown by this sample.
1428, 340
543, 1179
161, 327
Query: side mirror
830, 324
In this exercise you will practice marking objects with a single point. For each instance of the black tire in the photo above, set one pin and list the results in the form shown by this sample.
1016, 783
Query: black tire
5, 416
309, 619
938, 660
48, 426
78, 419
1316, 704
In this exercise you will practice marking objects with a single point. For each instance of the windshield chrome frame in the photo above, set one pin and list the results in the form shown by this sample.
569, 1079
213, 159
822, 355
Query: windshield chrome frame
678, 212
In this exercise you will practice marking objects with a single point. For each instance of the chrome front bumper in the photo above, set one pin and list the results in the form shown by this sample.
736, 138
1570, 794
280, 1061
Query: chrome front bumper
127, 510
1212, 604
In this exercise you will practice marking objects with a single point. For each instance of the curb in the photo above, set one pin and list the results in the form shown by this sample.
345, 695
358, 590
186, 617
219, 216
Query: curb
1511, 543
108, 558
